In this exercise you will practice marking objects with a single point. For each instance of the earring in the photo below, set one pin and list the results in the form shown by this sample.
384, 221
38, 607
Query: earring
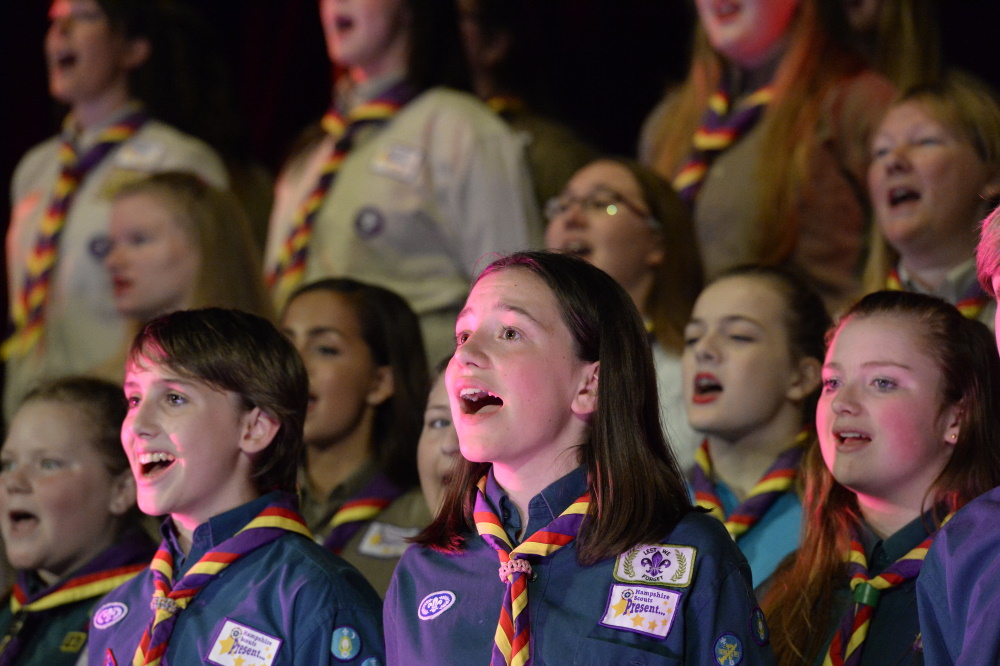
953, 436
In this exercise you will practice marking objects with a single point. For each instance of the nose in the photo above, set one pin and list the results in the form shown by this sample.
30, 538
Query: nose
471, 352
114, 258
15, 479
139, 422
705, 348
449, 443
844, 400
897, 160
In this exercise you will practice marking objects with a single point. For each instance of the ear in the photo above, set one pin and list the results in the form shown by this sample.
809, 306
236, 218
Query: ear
805, 379
259, 429
383, 386
137, 52
657, 253
122, 493
585, 401
952, 417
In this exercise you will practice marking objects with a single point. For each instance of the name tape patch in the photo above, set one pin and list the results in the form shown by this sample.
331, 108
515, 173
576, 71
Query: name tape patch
238, 645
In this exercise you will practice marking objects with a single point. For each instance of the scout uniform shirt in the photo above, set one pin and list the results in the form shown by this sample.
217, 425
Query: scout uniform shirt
82, 327
289, 602
894, 629
415, 206
958, 589
686, 599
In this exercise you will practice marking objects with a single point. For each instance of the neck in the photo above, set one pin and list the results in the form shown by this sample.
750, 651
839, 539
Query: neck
330, 465
523, 484
639, 290
393, 67
740, 462
91, 113
931, 271
885, 517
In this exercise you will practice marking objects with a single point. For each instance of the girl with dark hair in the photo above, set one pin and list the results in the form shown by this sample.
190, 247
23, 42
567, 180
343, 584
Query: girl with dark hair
68, 517
568, 485
412, 181
367, 381
907, 430
61, 301
752, 358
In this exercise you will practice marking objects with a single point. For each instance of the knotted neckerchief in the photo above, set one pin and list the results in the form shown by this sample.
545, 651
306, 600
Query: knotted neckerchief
28, 308
512, 641
721, 126
170, 597
104, 573
849, 641
287, 272
970, 304
777, 481
360, 510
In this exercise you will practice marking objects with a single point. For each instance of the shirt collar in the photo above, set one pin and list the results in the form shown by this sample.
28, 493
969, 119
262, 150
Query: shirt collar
543, 507
883, 552
957, 285
89, 137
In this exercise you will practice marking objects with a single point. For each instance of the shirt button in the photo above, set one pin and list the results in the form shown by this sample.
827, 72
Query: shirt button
534, 576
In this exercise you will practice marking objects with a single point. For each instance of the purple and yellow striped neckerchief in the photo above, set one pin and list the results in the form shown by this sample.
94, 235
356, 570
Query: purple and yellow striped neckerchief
171, 597
777, 480
512, 641
28, 308
847, 645
287, 272
721, 125
971, 303
360, 510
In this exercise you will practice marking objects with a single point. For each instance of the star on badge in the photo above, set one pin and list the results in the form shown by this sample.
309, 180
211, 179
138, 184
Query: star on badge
620, 607
638, 620
225, 645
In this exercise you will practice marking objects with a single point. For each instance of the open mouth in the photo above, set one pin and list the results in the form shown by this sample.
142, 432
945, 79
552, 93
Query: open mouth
343, 23
706, 388
154, 463
851, 438
64, 60
726, 9
578, 248
479, 401
901, 195
21, 522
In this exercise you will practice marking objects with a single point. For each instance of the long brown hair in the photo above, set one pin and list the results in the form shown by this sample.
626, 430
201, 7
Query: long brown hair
797, 604
637, 491
816, 60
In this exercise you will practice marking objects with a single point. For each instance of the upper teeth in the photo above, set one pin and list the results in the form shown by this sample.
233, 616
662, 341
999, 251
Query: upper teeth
850, 435
156, 456
472, 393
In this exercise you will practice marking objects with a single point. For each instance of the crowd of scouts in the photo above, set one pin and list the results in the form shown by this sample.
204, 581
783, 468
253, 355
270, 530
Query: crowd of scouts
481, 394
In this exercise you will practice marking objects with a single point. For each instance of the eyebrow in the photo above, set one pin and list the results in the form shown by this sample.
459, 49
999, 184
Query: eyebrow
506, 307
730, 319
873, 364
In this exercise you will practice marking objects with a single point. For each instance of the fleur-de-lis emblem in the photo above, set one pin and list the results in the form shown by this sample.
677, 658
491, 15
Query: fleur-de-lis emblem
655, 564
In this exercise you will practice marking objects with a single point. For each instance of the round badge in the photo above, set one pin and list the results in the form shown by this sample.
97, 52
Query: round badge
758, 627
369, 222
372, 661
434, 604
728, 650
109, 614
100, 247
345, 644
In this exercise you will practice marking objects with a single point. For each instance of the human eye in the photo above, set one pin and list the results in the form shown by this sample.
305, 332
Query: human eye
883, 384
556, 206
830, 384
691, 336
174, 398
50, 464
6, 466
132, 401
438, 422
879, 151
461, 337
327, 350
510, 334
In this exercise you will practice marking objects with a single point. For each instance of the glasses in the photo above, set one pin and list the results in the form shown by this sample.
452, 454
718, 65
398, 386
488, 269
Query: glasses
601, 201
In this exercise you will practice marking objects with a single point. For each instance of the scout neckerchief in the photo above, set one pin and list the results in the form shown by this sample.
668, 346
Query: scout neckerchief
170, 597
848, 642
777, 481
287, 272
721, 126
28, 308
971, 303
512, 642
104, 573
360, 510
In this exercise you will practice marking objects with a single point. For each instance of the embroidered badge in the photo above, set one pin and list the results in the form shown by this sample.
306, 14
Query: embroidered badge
345, 644
372, 661
728, 650
109, 614
73, 641
640, 609
240, 645
399, 162
386, 541
140, 155
758, 627
369, 222
434, 604
656, 564
109, 658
